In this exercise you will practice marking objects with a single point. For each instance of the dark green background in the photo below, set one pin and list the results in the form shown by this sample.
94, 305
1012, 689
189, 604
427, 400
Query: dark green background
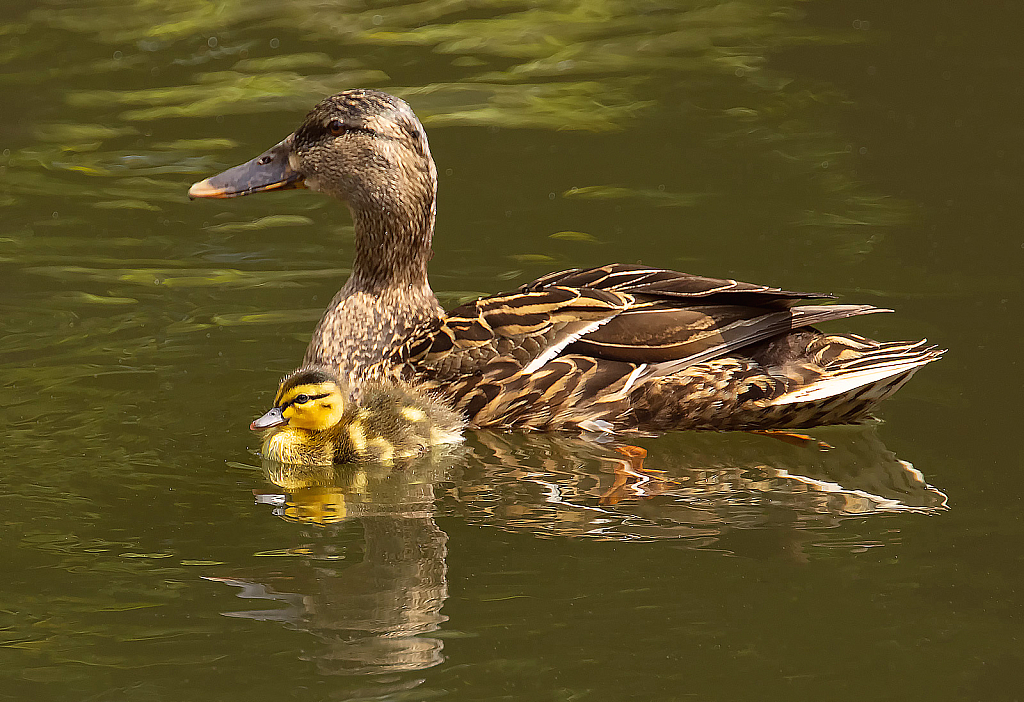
870, 149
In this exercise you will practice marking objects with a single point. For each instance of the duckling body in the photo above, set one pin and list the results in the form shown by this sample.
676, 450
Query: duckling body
315, 422
616, 348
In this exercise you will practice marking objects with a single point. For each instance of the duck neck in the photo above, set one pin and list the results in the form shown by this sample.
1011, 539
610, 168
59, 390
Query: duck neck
392, 246
387, 296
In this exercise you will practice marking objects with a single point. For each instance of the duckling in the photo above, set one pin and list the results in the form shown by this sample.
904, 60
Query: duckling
314, 421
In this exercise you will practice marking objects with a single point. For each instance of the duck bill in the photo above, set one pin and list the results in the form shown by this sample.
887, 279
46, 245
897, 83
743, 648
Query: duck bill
271, 419
269, 171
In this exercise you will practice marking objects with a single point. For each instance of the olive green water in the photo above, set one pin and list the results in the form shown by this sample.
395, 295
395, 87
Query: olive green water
855, 147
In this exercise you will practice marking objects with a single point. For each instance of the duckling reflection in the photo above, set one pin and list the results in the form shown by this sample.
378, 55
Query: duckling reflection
315, 422
375, 616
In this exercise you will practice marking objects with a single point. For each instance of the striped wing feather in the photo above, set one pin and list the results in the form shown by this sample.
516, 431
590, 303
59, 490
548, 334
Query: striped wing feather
669, 284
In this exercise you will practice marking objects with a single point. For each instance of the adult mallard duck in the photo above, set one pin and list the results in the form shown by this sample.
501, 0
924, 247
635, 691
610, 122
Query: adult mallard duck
615, 348
315, 422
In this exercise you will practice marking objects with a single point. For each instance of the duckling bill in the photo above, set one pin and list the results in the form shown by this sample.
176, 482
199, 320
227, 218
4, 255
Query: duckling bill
315, 422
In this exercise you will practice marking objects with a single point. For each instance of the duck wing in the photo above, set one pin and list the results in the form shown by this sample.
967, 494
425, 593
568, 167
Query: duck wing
633, 314
671, 316
579, 341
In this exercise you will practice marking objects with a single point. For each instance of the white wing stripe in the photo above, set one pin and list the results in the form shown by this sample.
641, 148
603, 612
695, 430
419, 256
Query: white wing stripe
553, 351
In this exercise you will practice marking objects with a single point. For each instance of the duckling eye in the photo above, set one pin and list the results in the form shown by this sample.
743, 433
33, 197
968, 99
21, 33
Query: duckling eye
337, 127
301, 399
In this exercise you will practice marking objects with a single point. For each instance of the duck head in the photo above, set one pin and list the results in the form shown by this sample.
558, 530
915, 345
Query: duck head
368, 149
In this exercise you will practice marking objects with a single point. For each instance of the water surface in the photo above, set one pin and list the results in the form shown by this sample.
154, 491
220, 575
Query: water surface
857, 148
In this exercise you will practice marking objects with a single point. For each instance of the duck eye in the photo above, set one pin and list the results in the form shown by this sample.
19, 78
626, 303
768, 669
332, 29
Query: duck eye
301, 399
337, 127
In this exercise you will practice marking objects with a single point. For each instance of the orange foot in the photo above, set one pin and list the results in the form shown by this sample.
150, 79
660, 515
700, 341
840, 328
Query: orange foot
630, 475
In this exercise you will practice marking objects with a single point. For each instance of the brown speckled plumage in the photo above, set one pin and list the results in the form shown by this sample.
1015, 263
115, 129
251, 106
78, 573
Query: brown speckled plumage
615, 348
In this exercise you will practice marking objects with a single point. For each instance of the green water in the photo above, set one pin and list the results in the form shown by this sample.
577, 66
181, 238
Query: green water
871, 149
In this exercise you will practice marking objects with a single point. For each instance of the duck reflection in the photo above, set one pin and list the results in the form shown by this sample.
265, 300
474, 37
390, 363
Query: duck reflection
689, 486
380, 615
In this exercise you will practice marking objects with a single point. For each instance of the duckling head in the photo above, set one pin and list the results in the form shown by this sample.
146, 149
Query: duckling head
309, 398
